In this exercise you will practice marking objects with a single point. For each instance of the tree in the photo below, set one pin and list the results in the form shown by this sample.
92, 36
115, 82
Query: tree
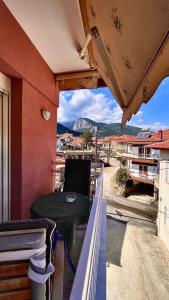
122, 176
121, 161
87, 137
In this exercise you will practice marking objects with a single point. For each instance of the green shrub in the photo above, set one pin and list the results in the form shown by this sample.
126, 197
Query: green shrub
122, 176
122, 161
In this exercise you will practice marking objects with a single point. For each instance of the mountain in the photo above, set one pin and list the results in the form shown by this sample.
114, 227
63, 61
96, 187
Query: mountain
85, 124
69, 124
115, 129
63, 129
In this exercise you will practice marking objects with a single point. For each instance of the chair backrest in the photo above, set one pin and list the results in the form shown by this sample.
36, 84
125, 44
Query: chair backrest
77, 176
22, 244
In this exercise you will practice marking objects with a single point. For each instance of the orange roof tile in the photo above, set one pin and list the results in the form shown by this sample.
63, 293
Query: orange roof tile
161, 145
77, 141
161, 135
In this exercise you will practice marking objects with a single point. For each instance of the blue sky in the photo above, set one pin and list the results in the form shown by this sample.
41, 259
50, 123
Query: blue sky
100, 105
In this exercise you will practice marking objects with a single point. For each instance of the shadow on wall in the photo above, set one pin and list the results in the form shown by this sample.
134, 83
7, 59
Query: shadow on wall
116, 230
142, 188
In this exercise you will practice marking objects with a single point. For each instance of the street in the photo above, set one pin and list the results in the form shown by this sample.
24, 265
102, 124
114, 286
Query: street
137, 261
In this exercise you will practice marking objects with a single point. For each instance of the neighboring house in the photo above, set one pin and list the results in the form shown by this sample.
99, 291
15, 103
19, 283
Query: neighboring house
113, 143
118, 145
76, 144
66, 137
163, 208
142, 161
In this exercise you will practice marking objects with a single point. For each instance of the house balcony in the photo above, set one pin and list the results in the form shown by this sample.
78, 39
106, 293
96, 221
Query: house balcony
142, 158
143, 177
89, 251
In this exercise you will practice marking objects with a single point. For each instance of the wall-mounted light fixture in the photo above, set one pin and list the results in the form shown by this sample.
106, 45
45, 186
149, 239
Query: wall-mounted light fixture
46, 114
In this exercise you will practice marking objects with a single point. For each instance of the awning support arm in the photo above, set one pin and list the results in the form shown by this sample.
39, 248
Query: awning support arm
83, 52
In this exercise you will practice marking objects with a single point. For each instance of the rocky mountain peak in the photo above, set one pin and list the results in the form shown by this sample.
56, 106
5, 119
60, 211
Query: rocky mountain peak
84, 125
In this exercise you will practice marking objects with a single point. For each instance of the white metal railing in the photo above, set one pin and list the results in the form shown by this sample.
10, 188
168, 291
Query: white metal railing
142, 175
137, 155
85, 281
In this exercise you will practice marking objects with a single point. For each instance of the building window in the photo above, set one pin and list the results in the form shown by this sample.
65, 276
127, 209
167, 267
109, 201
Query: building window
143, 170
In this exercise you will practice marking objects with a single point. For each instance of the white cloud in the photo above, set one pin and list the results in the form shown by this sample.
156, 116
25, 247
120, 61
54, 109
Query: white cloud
98, 107
138, 121
139, 113
85, 103
153, 126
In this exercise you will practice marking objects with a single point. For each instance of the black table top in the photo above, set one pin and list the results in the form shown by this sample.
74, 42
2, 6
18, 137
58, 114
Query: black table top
54, 206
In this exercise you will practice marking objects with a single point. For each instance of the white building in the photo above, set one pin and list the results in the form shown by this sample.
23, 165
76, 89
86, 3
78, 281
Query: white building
163, 208
142, 162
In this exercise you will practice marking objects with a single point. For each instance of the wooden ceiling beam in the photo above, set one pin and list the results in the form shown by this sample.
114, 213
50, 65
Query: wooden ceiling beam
80, 80
84, 14
82, 74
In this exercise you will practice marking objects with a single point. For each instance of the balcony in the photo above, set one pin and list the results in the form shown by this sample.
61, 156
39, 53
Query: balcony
143, 177
148, 156
89, 281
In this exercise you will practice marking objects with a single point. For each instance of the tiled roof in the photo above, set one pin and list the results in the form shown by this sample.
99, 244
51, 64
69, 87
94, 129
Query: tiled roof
117, 138
124, 138
77, 141
100, 141
155, 137
161, 145
66, 134
161, 135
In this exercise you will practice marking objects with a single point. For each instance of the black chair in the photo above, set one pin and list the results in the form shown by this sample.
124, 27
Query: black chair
77, 176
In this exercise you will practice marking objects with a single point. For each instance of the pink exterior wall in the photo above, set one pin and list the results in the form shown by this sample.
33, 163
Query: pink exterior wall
38, 146
23, 58
33, 140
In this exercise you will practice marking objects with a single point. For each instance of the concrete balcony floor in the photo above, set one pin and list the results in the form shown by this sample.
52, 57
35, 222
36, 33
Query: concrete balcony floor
75, 254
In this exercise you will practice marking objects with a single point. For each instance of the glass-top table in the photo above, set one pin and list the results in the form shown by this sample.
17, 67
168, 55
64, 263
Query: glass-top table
67, 209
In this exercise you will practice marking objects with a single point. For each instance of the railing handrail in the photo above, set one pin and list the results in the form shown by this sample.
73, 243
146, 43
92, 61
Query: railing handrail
142, 175
138, 155
84, 286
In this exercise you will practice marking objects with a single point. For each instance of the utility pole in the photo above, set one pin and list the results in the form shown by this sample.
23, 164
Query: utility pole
109, 151
96, 142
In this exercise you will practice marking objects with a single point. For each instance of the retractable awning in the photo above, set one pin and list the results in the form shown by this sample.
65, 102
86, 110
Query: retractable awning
130, 47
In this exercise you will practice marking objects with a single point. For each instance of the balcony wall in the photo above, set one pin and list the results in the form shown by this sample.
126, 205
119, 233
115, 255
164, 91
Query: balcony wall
151, 172
151, 156
33, 140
